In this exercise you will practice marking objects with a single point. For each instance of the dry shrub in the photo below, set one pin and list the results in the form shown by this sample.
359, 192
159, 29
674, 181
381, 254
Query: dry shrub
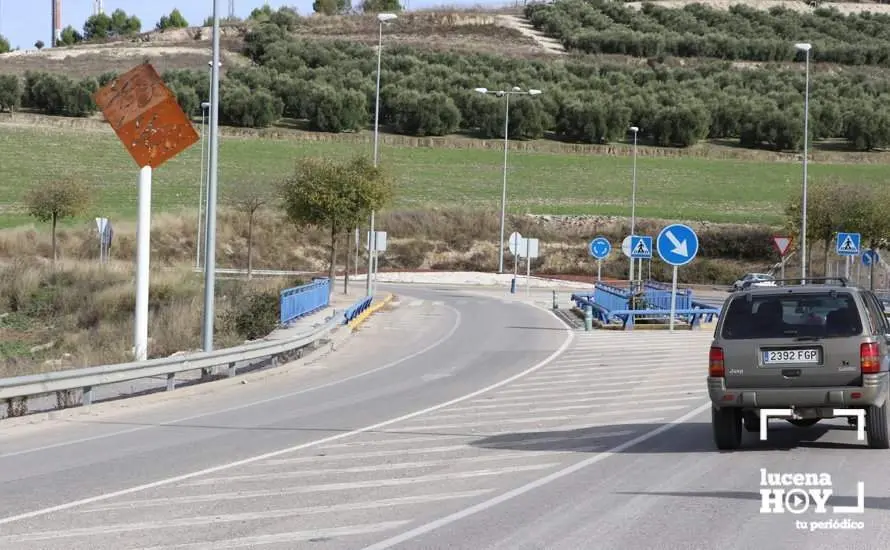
81, 313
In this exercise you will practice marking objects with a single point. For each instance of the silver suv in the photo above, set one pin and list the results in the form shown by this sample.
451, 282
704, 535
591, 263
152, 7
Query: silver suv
811, 348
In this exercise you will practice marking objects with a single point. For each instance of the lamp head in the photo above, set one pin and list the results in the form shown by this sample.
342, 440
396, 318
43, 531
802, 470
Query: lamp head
384, 17
205, 105
534, 92
803, 46
481, 90
634, 129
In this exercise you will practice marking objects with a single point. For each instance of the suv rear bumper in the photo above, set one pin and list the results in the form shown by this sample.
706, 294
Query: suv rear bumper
874, 391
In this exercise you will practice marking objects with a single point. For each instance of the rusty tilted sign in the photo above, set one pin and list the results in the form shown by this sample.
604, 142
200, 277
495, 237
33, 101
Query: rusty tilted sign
145, 116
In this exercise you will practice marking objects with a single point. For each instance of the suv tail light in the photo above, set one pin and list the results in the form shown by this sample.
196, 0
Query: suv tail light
869, 358
715, 363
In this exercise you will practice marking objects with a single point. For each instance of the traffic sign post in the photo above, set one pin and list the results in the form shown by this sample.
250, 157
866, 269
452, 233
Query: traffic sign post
640, 249
783, 245
870, 259
848, 245
530, 251
599, 248
151, 125
516, 246
677, 245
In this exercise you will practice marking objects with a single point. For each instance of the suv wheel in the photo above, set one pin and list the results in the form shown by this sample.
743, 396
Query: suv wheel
876, 422
727, 426
751, 422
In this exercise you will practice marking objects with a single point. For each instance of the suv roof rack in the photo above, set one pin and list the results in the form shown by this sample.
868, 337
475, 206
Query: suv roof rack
842, 281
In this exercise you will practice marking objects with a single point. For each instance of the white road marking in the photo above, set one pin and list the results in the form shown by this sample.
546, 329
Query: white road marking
293, 536
630, 384
593, 372
355, 469
482, 506
570, 337
320, 488
654, 389
622, 403
437, 343
372, 454
243, 516
394, 441
533, 419
557, 399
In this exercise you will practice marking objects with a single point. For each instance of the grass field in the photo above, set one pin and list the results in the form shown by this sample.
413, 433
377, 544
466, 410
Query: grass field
540, 183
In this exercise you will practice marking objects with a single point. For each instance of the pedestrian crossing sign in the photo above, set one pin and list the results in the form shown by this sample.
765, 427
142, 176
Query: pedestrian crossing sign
640, 247
848, 244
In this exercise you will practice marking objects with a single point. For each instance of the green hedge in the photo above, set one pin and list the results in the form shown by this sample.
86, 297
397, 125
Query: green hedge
740, 33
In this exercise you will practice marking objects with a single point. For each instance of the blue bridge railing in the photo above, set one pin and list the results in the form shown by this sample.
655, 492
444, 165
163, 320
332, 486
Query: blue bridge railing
356, 309
609, 302
303, 300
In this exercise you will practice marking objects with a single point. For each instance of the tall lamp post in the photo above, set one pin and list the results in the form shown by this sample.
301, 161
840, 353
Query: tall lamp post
805, 47
633, 208
516, 90
203, 186
210, 236
372, 236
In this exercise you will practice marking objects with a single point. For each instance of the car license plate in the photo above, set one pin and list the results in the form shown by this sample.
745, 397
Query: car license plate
789, 356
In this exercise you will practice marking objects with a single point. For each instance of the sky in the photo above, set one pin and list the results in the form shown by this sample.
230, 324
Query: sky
24, 22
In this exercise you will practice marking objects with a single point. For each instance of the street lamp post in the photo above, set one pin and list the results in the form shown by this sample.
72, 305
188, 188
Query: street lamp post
516, 90
210, 232
203, 186
633, 208
805, 47
372, 236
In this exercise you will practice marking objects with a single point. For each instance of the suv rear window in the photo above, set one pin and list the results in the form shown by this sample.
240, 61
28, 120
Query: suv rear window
784, 316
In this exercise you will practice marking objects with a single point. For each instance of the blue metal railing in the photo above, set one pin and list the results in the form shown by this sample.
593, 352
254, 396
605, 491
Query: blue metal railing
610, 297
303, 300
356, 309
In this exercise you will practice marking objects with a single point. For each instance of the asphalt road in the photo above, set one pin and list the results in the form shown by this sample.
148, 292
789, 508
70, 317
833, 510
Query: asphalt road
603, 445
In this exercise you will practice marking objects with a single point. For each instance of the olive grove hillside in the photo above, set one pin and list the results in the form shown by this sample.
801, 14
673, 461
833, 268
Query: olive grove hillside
328, 85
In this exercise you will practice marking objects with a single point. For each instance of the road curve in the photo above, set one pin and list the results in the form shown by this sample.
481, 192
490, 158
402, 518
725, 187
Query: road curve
435, 347
603, 444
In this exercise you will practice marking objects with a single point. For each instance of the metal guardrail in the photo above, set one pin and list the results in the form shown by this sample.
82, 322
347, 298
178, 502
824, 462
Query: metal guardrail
303, 300
357, 309
88, 378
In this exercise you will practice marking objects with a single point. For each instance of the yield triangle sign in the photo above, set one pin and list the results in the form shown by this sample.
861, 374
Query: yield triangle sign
782, 244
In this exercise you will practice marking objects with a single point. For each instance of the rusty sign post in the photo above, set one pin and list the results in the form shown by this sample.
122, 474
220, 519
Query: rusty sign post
153, 128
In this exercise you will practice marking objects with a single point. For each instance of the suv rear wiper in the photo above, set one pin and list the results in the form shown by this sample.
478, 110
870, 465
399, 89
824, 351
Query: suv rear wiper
807, 338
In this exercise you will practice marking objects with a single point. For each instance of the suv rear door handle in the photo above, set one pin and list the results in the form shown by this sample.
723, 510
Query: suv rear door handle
791, 373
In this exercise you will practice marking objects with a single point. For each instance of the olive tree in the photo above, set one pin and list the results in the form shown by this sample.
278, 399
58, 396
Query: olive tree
336, 196
248, 200
55, 200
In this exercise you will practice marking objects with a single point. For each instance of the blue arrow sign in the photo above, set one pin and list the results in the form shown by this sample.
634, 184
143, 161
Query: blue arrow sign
677, 244
848, 244
870, 256
599, 247
640, 247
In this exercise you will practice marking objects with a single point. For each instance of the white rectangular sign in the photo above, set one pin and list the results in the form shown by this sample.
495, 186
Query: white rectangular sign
528, 248
381, 241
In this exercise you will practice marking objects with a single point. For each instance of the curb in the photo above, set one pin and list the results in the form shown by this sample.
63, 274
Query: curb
357, 322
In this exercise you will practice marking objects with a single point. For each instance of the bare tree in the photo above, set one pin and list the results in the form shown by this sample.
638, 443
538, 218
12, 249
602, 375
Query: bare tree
55, 200
248, 199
